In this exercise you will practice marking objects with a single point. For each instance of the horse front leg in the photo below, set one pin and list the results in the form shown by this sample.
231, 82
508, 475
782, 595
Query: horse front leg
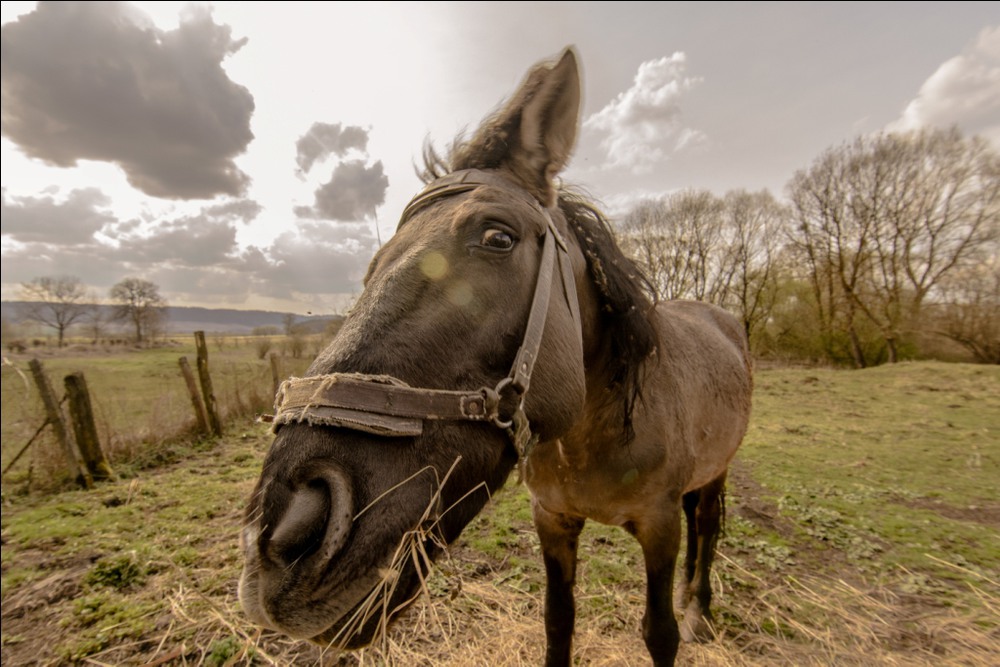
559, 535
660, 541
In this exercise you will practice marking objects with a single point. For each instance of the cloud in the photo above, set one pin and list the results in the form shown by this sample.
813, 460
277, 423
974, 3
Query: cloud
352, 194
193, 257
92, 263
325, 139
191, 241
964, 91
315, 259
44, 219
642, 126
242, 210
98, 81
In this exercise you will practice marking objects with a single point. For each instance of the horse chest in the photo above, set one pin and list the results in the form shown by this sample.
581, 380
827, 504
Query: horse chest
607, 489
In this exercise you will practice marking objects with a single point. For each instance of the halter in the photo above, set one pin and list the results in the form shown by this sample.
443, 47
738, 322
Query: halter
385, 406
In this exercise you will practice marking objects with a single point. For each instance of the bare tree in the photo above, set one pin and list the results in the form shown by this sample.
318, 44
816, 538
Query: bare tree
754, 226
56, 302
138, 302
96, 322
968, 311
832, 249
674, 240
881, 221
934, 201
694, 245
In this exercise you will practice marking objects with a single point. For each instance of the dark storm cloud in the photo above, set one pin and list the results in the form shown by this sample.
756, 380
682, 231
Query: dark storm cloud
325, 139
352, 194
54, 237
97, 81
314, 259
44, 219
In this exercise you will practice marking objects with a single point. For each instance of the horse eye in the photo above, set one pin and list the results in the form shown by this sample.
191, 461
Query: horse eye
497, 239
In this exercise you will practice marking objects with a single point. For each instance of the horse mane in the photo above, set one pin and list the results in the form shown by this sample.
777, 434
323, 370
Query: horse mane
627, 295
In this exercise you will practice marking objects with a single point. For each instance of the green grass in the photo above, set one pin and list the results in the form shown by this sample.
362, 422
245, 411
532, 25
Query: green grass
862, 529
884, 466
140, 401
926, 429
132, 548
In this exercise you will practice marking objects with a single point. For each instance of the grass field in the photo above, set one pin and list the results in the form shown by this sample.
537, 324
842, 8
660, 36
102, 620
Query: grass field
863, 528
140, 399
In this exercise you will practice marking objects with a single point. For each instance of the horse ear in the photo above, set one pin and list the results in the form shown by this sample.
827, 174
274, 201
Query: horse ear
541, 119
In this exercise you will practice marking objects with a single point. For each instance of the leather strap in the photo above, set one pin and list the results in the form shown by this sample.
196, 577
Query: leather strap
458, 182
383, 405
381, 395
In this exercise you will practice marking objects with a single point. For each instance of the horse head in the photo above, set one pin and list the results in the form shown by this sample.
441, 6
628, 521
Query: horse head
413, 416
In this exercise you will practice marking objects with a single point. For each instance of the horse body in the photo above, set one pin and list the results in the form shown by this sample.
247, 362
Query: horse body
689, 424
618, 411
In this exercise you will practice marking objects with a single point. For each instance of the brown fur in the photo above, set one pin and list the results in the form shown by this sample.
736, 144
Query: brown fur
639, 411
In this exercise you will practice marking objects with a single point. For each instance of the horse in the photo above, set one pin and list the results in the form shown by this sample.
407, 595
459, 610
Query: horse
501, 326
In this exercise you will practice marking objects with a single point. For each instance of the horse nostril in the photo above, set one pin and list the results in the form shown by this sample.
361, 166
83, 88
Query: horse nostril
300, 531
316, 520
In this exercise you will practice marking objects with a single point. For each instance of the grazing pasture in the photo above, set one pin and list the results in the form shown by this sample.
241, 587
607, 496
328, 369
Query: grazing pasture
863, 527
142, 408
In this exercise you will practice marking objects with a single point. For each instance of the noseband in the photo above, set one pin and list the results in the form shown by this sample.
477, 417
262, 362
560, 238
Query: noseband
385, 406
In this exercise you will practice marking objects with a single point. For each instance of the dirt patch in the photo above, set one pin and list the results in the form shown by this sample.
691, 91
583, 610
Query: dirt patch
986, 514
58, 586
29, 625
744, 497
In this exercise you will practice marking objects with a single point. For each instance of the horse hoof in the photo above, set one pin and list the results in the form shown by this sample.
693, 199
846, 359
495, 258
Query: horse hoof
695, 628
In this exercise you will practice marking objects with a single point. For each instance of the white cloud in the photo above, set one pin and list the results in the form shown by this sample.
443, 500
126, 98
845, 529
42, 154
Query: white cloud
643, 125
964, 91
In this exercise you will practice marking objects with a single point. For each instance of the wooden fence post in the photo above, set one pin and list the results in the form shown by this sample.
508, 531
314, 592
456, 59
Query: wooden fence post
55, 417
82, 414
192, 385
275, 375
206, 384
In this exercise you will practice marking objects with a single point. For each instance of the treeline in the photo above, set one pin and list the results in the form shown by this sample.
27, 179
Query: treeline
62, 302
885, 248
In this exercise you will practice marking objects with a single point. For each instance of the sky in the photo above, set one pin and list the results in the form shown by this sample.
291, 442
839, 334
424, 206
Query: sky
255, 155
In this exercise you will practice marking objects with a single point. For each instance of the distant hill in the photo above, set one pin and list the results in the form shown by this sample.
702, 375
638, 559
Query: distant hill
186, 320
182, 319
